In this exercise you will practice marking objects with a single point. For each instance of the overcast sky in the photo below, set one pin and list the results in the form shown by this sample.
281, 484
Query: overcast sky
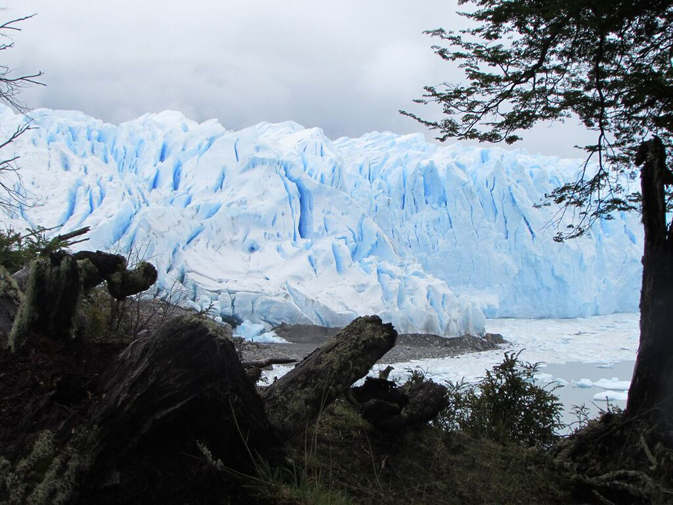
346, 66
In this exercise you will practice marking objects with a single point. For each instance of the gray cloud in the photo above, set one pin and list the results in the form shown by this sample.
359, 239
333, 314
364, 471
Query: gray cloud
346, 66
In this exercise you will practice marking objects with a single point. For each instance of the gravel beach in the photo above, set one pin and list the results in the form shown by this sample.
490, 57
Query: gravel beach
304, 339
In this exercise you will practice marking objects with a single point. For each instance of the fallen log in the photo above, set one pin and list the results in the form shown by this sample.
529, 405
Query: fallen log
296, 399
254, 368
263, 363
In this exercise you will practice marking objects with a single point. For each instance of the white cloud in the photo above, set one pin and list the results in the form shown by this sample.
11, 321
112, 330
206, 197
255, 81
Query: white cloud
347, 66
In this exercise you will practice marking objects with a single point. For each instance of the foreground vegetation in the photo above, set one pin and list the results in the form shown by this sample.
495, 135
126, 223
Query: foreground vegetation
64, 440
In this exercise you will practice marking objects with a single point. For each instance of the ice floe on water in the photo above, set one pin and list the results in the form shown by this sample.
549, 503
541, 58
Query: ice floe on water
611, 396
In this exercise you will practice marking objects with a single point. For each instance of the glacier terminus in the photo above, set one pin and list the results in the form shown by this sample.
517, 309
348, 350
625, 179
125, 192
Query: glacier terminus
278, 223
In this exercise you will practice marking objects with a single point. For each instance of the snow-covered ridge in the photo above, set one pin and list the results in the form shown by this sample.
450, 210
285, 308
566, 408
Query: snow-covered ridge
277, 223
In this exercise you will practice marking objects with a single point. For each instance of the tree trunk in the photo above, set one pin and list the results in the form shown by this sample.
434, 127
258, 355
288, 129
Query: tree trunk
651, 389
296, 400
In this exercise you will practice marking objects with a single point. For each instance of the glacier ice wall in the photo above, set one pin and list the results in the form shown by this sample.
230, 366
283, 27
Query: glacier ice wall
277, 223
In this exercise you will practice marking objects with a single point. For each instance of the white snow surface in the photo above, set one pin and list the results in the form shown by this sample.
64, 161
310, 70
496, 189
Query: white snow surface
277, 223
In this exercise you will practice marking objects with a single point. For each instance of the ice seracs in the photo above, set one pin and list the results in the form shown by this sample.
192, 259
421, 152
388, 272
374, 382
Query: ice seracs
277, 223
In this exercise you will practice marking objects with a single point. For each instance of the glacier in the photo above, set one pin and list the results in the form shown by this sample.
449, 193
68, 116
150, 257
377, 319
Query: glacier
278, 223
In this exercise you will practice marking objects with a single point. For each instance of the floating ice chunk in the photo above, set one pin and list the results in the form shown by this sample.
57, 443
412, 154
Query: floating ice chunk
614, 384
269, 338
248, 330
611, 396
544, 377
583, 383
255, 333
549, 379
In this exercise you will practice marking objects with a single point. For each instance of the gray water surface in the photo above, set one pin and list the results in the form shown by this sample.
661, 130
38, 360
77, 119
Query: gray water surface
571, 395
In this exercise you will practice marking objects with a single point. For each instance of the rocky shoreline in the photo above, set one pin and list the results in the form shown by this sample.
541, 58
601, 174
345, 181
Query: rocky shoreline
304, 339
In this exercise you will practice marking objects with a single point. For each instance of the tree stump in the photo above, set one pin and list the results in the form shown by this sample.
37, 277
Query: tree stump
296, 399
166, 412
50, 303
54, 287
164, 394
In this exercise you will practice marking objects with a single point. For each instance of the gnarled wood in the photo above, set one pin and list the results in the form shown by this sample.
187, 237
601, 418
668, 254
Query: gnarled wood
121, 282
54, 287
296, 399
164, 394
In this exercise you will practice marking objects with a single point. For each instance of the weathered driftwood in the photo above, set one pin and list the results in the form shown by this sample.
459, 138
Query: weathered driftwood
164, 394
295, 400
54, 287
392, 408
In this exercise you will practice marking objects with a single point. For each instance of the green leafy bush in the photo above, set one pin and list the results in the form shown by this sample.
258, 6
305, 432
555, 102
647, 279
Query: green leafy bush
505, 406
16, 250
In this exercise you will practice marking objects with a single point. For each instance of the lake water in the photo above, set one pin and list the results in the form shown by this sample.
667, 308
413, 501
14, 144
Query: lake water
581, 388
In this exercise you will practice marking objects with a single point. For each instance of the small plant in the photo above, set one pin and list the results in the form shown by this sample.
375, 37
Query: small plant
505, 406
581, 412
16, 249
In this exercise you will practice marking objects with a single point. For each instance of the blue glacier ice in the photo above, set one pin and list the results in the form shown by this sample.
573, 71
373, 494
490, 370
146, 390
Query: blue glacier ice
278, 223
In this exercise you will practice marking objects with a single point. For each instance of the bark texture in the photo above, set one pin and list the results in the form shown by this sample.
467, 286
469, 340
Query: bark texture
296, 399
10, 299
652, 384
50, 303
183, 385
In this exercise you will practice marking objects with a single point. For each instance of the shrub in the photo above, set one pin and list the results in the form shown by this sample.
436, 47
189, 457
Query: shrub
16, 250
505, 406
